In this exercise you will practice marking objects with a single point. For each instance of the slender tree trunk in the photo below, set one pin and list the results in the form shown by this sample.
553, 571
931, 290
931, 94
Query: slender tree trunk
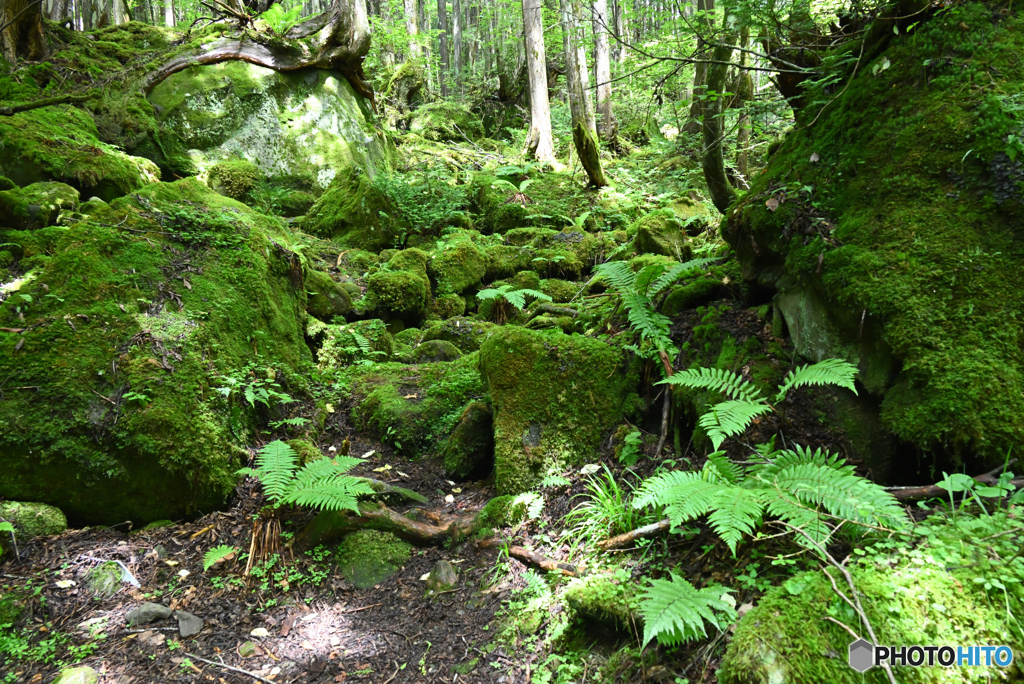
700, 70
457, 24
620, 31
744, 94
603, 71
713, 126
584, 133
539, 143
442, 39
169, 13
412, 28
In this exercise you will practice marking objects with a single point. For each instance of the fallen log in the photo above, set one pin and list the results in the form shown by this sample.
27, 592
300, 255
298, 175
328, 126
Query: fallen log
330, 526
989, 479
543, 562
626, 538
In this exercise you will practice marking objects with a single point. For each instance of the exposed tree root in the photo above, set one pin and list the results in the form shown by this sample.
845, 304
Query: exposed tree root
989, 479
626, 538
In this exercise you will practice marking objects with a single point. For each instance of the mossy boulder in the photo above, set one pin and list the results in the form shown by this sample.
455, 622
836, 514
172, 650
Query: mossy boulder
433, 351
37, 205
555, 396
308, 124
404, 93
560, 291
446, 121
62, 144
661, 232
399, 294
104, 580
503, 511
412, 407
234, 178
327, 298
349, 211
469, 451
465, 333
447, 306
33, 519
458, 265
906, 270
145, 305
610, 599
338, 345
368, 557
495, 204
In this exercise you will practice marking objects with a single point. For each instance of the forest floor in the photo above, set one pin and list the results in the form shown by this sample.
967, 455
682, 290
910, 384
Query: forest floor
306, 623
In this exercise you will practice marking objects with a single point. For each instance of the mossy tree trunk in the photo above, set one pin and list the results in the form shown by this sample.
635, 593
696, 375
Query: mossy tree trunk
539, 143
21, 30
719, 188
603, 71
584, 130
744, 94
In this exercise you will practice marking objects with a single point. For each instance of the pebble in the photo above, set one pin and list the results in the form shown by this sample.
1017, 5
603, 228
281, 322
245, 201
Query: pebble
148, 612
259, 632
78, 675
188, 624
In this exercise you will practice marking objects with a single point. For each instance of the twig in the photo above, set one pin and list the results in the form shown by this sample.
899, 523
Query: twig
928, 491
61, 99
397, 668
627, 538
843, 625
356, 610
103, 397
230, 667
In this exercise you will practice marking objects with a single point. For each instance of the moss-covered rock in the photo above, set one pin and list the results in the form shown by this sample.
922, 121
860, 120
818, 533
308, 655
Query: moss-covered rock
399, 294
433, 351
33, 519
104, 580
560, 291
494, 202
465, 333
308, 124
611, 599
327, 298
62, 144
469, 451
554, 397
904, 261
369, 557
447, 306
661, 232
350, 211
446, 121
413, 406
36, 206
339, 345
403, 93
458, 265
169, 309
503, 511
234, 178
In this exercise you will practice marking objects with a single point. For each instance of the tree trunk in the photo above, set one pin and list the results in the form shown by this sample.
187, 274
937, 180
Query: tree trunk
412, 28
719, 188
744, 94
442, 39
621, 32
584, 133
539, 144
169, 13
22, 35
457, 23
603, 71
700, 71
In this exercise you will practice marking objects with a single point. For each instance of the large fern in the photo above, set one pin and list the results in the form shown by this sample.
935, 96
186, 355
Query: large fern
321, 484
675, 611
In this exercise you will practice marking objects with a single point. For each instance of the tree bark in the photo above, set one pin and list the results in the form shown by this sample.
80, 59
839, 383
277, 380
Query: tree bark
457, 24
442, 39
169, 13
539, 143
22, 32
700, 70
719, 187
412, 28
744, 94
603, 71
584, 132
620, 32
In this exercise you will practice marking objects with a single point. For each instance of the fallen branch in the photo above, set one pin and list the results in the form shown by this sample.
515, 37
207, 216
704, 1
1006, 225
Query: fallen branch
989, 479
543, 562
46, 102
230, 667
331, 525
627, 538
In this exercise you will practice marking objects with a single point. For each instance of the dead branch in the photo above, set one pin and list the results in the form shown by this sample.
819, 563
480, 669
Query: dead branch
46, 102
989, 479
627, 538
331, 525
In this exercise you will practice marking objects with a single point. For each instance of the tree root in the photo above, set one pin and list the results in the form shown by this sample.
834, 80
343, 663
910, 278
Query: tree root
989, 479
626, 538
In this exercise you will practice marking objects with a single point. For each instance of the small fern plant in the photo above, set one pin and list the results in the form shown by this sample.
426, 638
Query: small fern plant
507, 301
675, 611
744, 402
322, 484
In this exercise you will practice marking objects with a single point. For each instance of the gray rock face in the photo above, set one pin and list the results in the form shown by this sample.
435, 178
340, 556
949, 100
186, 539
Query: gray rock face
442, 576
148, 612
188, 624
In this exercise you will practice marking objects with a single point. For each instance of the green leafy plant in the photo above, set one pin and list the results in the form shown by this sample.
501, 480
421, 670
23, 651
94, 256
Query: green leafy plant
507, 301
279, 19
744, 401
217, 553
675, 611
632, 448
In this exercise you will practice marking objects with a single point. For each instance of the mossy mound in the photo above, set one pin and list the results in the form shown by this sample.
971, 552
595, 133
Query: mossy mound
554, 397
445, 121
327, 298
36, 206
608, 599
469, 451
62, 144
892, 225
158, 300
433, 351
33, 519
339, 345
447, 306
661, 232
458, 265
465, 333
560, 291
495, 204
399, 294
369, 557
234, 178
349, 211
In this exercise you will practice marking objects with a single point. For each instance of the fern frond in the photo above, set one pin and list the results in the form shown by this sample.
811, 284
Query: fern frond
554, 481
324, 468
718, 468
735, 512
827, 372
676, 272
675, 611
685, 495
332, 494
647, 275
217, 553
796, 456
531, 503
787, 507
841, 493
730, 418
618, 275
275, 469
732, 385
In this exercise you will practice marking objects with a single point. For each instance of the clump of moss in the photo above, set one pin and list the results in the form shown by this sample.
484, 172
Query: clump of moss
433, 351
465, 333
37, 205
458, 265
399, 294
447, 306
560, 291
234, 178
610, 599
469, 450
369, 557
661, 232
327, 298
446, 121
350, 211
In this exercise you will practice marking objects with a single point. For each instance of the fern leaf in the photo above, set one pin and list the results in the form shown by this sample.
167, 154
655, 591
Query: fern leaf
217, 553
732, 385
827, 372
535, 294
787, 507
333, 494
720, 469
841, 493
735, 512
685, 495
531, 503
647, 275
618, 275
324, 468
730, 418
796, 456
675, 611
676, 272
275, 469
6, 527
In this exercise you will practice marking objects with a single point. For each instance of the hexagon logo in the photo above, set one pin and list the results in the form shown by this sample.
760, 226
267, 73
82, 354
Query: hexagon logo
862, 655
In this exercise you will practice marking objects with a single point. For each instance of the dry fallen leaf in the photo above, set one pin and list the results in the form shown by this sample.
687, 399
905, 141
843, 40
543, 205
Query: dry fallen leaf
815, 158
772, 204
64, 584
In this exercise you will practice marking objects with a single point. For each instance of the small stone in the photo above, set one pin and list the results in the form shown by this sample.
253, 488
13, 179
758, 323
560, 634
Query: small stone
188, 624
78, 675
148, 612
247, 649
259, 632
442, 576
335, 641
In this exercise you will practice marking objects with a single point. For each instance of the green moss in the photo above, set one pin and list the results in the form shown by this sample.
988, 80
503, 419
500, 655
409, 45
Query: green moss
369, 557
465, 333
33, 519
399, 294
433, 351
122, 319
554, 398
339, 346
458, 265
922, 232
493, 202
560, 291
234, 178
661, 232
349, 211
526, 280
447, 306
611, 599
327, 298
36, 206
502, 511
446, 120
469, 450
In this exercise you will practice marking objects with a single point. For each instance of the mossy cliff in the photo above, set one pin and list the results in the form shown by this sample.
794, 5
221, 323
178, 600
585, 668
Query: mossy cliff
887, 226
554, 397
149, 311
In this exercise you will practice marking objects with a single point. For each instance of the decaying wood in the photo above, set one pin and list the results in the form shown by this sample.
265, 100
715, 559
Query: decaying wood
627, 538
989, 479
332, 525
531, 558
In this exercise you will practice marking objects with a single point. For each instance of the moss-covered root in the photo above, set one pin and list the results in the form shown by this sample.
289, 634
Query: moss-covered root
330, 526
554, 397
